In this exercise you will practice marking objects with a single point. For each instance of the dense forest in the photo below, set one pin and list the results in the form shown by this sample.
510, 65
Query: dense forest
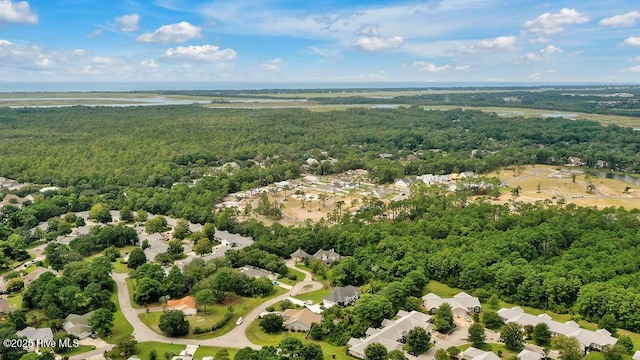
552, 256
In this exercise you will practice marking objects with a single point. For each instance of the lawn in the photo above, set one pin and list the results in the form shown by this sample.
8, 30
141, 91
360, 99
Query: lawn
143, 349
241, 307
15, 300
79, 350
257, 336
299, 277
440, 289
121, 327
315, 296
211, 351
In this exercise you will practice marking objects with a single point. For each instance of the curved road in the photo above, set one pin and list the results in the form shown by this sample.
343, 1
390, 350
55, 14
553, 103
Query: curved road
235, 338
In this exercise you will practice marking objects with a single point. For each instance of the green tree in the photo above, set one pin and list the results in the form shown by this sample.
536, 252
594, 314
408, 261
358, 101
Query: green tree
112, 253
175, 250
203, 298
102, 321
615, 352
222, 354
375, 351
492, 320
203, 246
127, 346
61, 339
541, 334
136, 258
626, 343
441, 354
126, 214
156, 224
153, 354
271, 323
453, 351
181, 230
569, 348
609, 323
290, 346
100, 213
371, 309
141, 216
311, 352
418, 339
19, 319
477, 335
511, 335
395, 355
443, 318
173, 323
147, 291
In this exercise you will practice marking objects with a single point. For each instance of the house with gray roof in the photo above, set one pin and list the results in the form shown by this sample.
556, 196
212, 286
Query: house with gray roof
78, 325
37, 336
35, 274
300, 255
256, 272
588, 339
461, 303
342, 296
477, 354
5, 308
530, 355
392, 335
235, 241
327, 256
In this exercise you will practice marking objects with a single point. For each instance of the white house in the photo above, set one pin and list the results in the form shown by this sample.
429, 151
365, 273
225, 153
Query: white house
461, 304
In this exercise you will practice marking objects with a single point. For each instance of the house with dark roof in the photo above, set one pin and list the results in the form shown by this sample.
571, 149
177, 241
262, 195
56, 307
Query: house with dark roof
78, 325
342, 296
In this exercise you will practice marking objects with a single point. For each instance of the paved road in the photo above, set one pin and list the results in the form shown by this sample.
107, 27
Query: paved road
236, 338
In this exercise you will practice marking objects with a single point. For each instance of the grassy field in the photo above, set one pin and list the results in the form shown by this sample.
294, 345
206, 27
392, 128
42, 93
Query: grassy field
121, 327
609, 192
80, 350
241, 307
15, 300
143, 349
298, 274
257, 336
315, 296
212, 351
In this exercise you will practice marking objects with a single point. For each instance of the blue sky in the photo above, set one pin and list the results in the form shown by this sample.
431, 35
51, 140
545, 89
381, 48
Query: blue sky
556, 41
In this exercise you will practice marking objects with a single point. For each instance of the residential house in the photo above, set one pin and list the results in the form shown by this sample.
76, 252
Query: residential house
530, 355
392, 335
37, 336
5, 308
300, 320
78, 325
588, 339
235, 241
342, 296
187, 305
461, 304
157, 245
256, 272
636, 356
477, 354
327, 256
35, 274
299, 255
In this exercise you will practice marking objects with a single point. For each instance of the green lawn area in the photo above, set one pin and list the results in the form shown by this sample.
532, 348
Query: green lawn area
15, 300
143, 349
211, 351
79, 350
119, 267
121, 327
285, 280
440, 289
241, 307
315, 296
594, 355
257, 336
506, 353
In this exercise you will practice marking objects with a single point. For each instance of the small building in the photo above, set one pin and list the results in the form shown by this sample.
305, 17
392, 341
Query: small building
256, 272
392, 335
300, 320
187, 305
78, 325
35, 274
299, 255
530, 355
235, 241
5, 308
477, 354
342, 296
461, 304
327, 256
37, 336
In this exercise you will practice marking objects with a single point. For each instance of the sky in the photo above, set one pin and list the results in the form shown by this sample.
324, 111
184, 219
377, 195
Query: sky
292, 41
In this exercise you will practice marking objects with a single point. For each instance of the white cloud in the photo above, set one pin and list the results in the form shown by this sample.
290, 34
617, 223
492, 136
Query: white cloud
149, 64
499, 43
128, 23
539, 40
543, 54
329, 53
633, 69
624, 20
273, 65
549, 23
79, 52
462, 68
18, 12
632, 41
541, 75
429, 67
94, 34
174, 33
637, 58
103, 60
203, 53
379, 43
